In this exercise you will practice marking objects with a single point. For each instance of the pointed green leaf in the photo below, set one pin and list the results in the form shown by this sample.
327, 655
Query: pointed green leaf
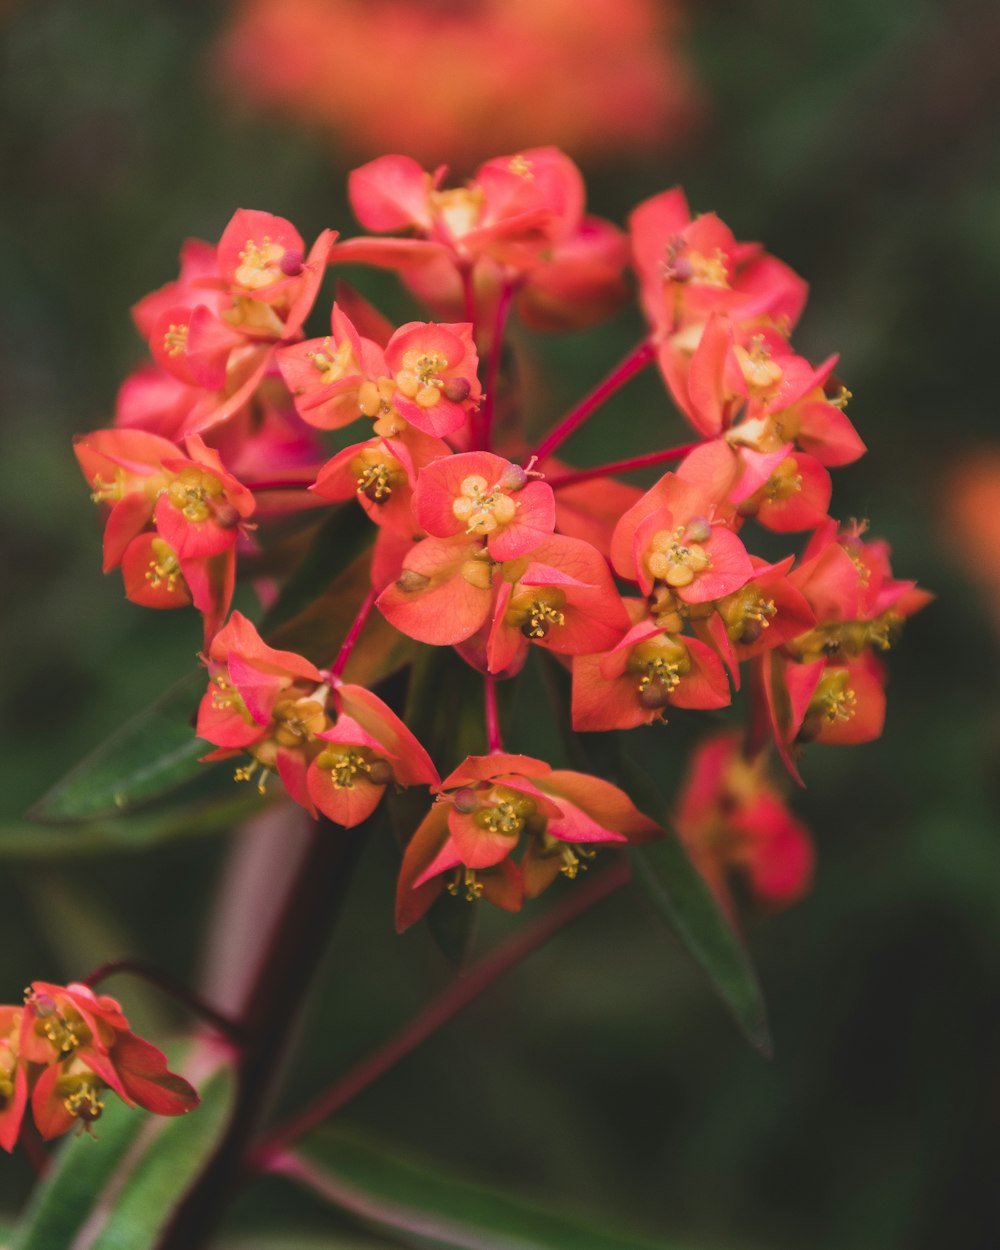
27, 840
426, 1206
684, 899
151, 754
118, 1193
337, 541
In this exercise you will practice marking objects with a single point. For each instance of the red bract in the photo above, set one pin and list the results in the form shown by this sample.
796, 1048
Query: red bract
733, 823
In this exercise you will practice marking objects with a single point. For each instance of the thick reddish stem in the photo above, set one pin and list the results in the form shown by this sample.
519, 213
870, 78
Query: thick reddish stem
468, 296
633, 363
494, 742
621, 466
353, 634
493, 365
438, 1012
227, 1027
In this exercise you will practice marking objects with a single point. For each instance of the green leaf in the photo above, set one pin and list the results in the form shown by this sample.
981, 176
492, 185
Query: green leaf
426, 1206
151, 754
684, 899
26, 840
337, 542
118, 1193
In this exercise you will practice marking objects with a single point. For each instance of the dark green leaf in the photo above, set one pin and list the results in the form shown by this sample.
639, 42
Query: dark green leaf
683, 898
151, 754
338, 541
124, 1187
426, 1206
25, 840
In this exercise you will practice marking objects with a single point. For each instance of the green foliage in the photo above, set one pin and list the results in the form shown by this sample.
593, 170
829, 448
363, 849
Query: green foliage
119, 1192
431, 1208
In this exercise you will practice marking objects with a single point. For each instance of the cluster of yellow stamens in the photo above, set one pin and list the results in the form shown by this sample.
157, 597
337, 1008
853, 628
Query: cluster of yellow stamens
760, 371
680, 264
81, 1100
419, 379
376, 474
108, 492
659, 663
675, 561
195, 494
333, 365
260, 263
834, 700
464, 880
459, 207
164, 567
784, 481
850, 637
481, 509
298, 721
175, 339
747, 614
534, 610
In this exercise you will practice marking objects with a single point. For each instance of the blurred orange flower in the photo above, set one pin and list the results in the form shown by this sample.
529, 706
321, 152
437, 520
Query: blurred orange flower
456, 79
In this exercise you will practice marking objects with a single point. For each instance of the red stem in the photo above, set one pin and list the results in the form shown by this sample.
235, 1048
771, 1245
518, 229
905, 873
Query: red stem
622, 466
493, 365
439, 1011
468, 297
225, 1025
633, 363
352, 635
494, 742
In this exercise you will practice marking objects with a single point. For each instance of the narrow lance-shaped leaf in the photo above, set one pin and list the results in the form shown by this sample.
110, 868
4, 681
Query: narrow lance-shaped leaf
151, 754
428, 1207
121, 1190
683, 898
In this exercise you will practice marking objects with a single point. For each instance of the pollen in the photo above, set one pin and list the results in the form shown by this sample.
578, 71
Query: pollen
333, 364
575, 860
747, 614
345, 766
175, 339
760, 371
459, 207
83, 1103
521, 166
246, 773
675, 562
659, 663
539, 618
834, 701
465, 882
108, 492
483, 511
784, 481
226, 698
194, 493
260, 263
505, 812
419, 379
164, 569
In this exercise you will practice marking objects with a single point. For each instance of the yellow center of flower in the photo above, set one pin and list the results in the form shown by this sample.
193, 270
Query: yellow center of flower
419, 379
659, 663
784, 481
483, 510
521, 166
747, 614
464, 881
226, 698
333, 364
80, 1095
759, 370
164, 569
534, 610
377, 474
833, 701
108, 492
260, 264
297, 721
175, 339
459, 207
195, 494
675, 562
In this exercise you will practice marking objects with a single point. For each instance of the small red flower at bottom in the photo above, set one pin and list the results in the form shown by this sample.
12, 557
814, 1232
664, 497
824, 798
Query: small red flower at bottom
63, 1049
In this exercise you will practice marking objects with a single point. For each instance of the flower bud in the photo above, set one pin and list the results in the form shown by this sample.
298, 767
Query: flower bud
465, 800
699, 530
455, 390
291, 262
513, 478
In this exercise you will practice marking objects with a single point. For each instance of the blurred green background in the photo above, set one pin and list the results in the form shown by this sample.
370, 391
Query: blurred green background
858, 141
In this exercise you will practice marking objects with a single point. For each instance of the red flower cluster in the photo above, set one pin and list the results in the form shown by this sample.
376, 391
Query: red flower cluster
63, 1049
652, 600
598, 78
